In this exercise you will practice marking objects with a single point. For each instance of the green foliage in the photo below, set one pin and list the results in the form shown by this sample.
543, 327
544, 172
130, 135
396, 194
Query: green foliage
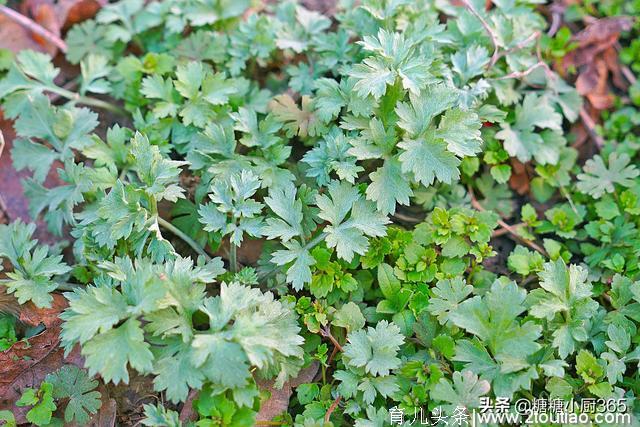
34, 267
8, 418
566, 293
73, 383
7, 331
599, 179
287, 142
41, 402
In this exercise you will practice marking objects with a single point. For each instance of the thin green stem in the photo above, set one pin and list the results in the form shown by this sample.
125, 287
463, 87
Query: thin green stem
315, 241
123, 174
188, 240
60, 286
86, 100
233, 258
567, 196
68, 287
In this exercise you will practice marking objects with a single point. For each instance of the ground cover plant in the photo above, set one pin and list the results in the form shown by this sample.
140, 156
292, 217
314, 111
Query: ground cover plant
277, 213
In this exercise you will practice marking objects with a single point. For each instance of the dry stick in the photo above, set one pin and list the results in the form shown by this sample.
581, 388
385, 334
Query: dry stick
502, 231
555, 24
492, 35
626, 71
511, 231
34, 27
522, 44
628, 74
332, 408
332, 355
591, 128
521, 74
325, 332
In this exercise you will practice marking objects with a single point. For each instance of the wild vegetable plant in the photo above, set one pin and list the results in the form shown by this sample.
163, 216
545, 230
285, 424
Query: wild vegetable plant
366, 157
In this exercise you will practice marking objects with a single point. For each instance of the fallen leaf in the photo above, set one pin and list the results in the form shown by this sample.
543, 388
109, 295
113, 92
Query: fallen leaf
601, 31
279, 400
44, 14
71, 12
520, 179
15, 37
610, 57
49, 317
596, 59
188, 413
593, 83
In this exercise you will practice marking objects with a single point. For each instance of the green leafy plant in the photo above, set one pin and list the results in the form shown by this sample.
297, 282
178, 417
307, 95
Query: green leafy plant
41, 402
386, 200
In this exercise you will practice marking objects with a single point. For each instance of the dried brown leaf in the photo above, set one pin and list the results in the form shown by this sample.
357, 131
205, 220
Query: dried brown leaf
29, 361
279, 400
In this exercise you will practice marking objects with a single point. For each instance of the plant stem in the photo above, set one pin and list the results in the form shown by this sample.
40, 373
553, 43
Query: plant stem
492, 35
591, 128
332, 408
326, 332
98, 103
68, 287
87, 100
315, 241
188, 240
60, 286
233, 258
123, 174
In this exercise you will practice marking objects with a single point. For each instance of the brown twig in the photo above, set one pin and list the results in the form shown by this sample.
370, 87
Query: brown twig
628, 74
332, 355
626, 71
510, 230
502, 231
497, 52
34, 27
326, 332
522, 44
521, 74
494, 39
591, 128
557, 12
332, 408
540, 63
